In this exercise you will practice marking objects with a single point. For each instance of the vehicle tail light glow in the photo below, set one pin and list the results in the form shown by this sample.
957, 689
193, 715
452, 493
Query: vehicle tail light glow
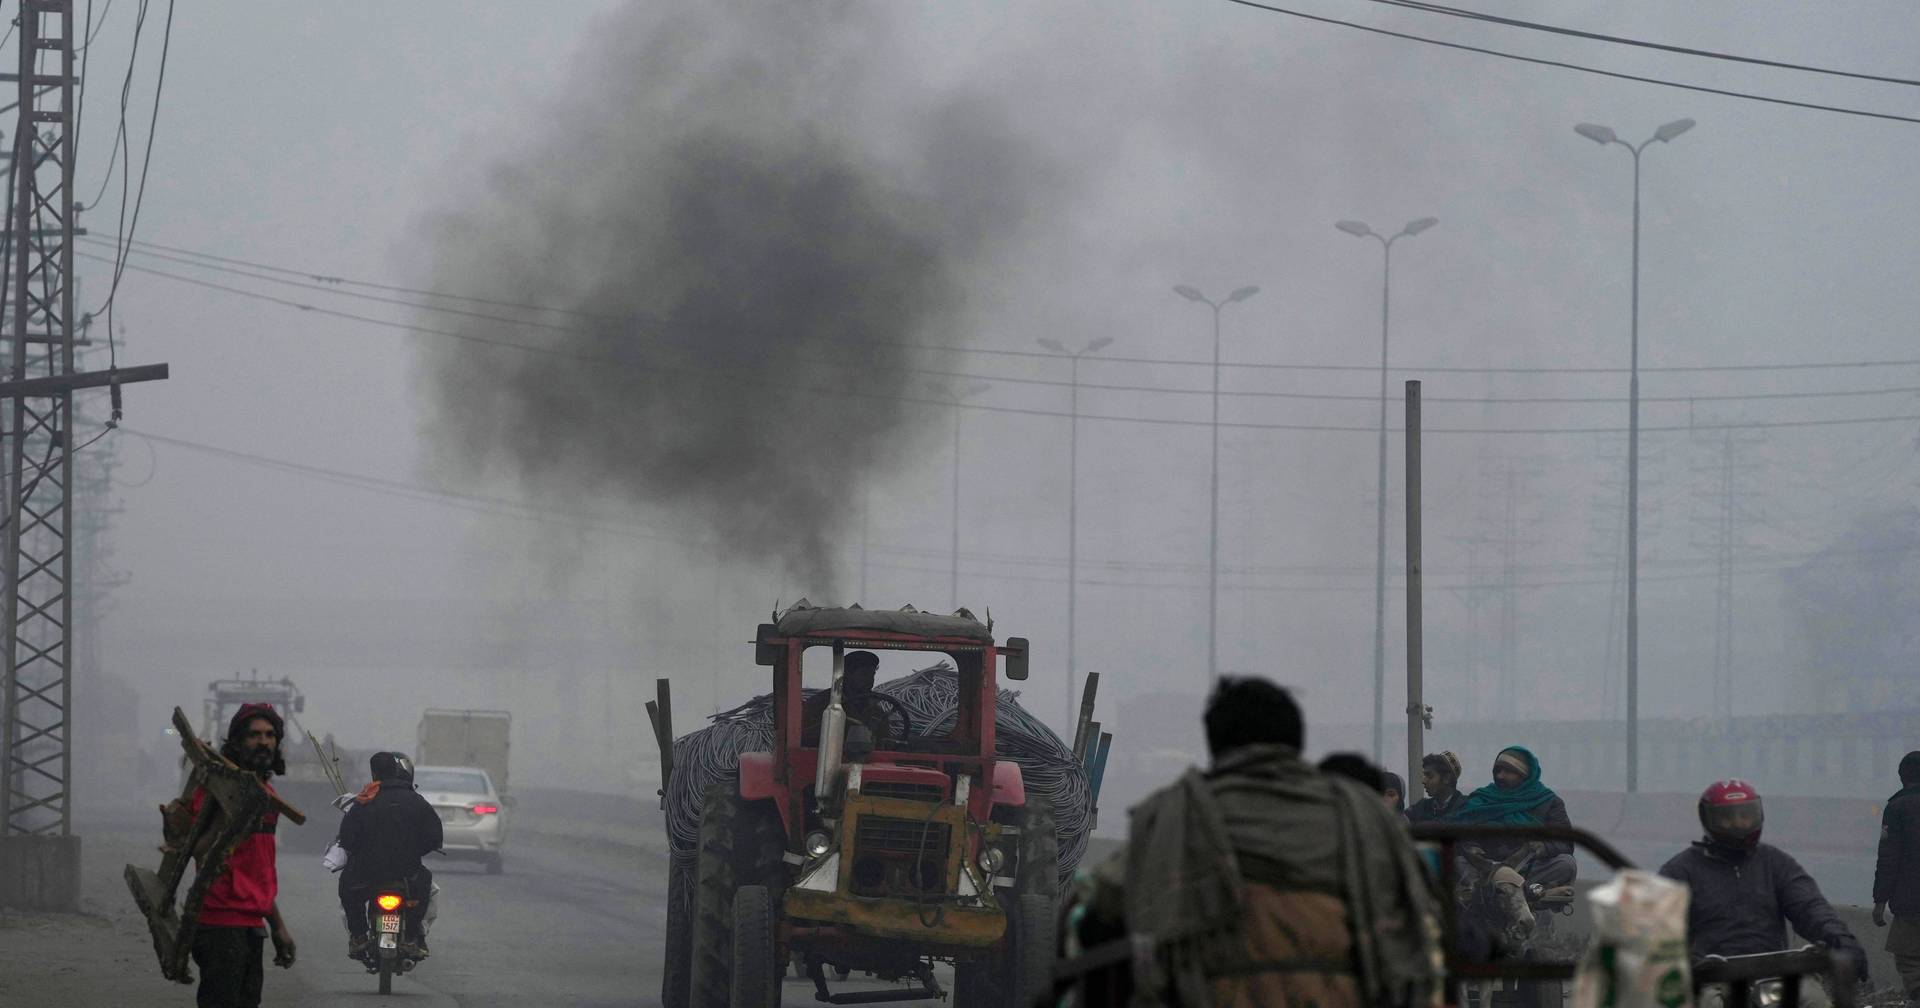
388, 901
485, 809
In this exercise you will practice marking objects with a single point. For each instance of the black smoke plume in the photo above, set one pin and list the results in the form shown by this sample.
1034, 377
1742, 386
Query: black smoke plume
744, 214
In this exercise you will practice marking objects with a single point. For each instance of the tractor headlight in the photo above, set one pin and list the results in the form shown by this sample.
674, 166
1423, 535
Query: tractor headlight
818, 844
992, 859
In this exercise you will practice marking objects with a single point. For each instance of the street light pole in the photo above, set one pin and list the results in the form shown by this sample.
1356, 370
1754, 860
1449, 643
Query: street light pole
1606, 137
1361, 230
1213, 525
1073, 500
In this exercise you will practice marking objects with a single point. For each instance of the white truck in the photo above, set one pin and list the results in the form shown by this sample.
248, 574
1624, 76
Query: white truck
471, 738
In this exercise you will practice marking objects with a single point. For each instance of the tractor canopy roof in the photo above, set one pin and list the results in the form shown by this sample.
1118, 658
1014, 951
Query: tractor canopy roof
804, 618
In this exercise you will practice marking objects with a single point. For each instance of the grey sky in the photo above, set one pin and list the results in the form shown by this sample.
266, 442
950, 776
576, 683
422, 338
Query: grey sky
1210, 144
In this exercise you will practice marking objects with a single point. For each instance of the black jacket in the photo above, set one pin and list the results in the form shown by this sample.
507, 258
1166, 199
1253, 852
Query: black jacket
1428, 810
386, 837
1739, 904
1896, 875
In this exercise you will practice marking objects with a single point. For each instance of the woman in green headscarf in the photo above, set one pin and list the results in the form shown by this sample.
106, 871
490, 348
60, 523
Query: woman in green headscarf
1518, 798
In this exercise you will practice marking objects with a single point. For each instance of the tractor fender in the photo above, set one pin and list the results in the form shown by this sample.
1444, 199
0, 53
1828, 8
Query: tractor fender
1009, 787
757, 783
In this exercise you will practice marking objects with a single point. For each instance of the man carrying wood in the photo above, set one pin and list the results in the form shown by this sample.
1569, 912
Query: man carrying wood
240, 904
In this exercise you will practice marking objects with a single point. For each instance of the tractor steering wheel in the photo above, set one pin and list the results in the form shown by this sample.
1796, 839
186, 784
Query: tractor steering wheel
886, 717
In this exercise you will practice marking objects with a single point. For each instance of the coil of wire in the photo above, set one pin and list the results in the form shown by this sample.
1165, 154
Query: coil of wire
930, 696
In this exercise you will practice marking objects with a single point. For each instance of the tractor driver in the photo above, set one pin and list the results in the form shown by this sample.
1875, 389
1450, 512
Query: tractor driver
856, 687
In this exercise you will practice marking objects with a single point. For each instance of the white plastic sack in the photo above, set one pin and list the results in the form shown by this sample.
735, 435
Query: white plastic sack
1637, 957
335, 858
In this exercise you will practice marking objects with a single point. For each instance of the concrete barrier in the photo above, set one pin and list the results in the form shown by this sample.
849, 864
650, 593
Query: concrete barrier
40, 873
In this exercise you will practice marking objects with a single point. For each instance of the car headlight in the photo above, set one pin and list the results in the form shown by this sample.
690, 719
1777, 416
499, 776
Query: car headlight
992, 859
818, 844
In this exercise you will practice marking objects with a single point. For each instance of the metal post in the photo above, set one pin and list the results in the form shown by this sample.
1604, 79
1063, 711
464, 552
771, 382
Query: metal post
1633, 506
1606, 137
1380, 522
866, 508
953, 583
1416, 699
1213, 510
1073, 530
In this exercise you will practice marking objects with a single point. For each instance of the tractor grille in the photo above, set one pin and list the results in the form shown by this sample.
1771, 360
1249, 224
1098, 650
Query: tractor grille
913, 837
901, 789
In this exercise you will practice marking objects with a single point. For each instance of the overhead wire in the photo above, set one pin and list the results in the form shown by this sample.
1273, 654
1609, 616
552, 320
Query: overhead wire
130, 225
1565, 65
1434, 8
330, 281
1053, 382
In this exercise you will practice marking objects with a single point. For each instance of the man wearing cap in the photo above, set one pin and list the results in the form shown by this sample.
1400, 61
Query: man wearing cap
1440, 778
1745, 892
1896, 876
240, 905
856, 689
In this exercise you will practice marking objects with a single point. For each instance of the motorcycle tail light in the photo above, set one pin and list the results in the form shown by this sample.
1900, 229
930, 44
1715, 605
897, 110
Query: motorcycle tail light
388, 901
485, 809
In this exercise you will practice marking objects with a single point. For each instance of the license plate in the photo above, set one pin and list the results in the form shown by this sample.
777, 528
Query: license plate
389, 923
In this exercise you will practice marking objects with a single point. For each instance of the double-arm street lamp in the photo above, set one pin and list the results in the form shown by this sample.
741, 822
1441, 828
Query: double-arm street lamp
1359, 230
1606, 138
1213, 534
1073, 498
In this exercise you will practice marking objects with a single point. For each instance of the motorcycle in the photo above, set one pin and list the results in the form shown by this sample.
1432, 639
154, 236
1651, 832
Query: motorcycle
393, 948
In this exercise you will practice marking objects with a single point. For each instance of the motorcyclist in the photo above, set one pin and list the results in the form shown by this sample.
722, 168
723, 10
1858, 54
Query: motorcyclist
1518, 798
388, 828
1745, 891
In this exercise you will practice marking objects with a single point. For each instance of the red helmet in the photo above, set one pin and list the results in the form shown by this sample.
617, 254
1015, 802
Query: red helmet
1730, 810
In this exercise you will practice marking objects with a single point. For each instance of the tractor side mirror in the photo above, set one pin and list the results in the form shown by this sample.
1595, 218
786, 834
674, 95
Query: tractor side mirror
765, 651
1015, 653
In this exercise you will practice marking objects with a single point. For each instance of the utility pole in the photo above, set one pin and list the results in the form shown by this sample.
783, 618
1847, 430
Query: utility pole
1213, 495
39, 855
1073, 499
1419, 715
1359, 229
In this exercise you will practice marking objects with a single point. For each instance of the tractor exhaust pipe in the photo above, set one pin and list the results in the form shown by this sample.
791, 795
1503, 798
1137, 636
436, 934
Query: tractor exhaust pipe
833, 730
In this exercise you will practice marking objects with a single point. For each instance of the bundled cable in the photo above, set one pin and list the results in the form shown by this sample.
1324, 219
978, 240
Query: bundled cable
931, 698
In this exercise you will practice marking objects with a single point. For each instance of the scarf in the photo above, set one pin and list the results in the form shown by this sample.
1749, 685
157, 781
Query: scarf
1492, 805
367, 793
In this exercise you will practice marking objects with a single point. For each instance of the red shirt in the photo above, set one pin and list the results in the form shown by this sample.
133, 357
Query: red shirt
243, 895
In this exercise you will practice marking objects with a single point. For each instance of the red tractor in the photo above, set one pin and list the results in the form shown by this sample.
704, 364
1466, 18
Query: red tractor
866, 843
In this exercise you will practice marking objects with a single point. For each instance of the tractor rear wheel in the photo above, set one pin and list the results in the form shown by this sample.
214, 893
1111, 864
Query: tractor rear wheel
676, 970
741, 842
757, 971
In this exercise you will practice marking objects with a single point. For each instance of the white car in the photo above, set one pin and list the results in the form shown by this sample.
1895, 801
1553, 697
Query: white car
472, 812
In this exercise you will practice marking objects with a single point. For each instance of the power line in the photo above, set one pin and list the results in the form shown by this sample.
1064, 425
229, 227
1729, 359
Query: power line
1023, 354
530, 512
1724, 92
1434, 8
1047, 382
847, 392
128, 226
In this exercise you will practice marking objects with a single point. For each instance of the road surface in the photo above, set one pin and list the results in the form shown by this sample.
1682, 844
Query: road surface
572, 923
